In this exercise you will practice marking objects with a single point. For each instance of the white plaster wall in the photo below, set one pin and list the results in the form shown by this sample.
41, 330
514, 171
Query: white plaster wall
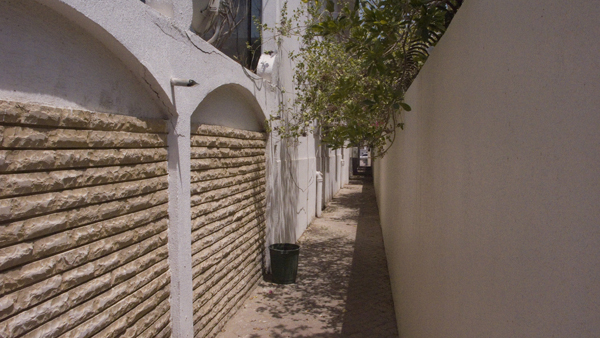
490, 199
335, 173
292, 197
345, 166
331, 174
46, 59
157, 48
231, 106
294, 200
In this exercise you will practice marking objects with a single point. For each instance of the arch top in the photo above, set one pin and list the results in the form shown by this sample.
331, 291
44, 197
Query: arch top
105, 27
156, 49
230, 105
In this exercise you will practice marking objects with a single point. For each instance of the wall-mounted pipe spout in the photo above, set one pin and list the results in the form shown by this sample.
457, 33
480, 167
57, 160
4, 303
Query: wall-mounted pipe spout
183, 82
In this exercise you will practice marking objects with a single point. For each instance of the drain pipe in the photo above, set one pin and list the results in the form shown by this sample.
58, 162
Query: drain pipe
319, 193
183, 82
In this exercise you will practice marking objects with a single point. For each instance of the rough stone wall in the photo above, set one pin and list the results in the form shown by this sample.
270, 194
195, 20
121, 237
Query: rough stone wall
228, 221
83, 224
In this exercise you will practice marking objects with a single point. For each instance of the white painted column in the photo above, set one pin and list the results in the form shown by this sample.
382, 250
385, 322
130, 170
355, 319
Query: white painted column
319, 193
180, 247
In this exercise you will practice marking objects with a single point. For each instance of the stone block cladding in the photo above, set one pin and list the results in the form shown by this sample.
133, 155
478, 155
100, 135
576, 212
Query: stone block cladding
83, 224
228, 221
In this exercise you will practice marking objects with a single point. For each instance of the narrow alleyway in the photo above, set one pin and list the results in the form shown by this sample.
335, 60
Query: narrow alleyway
343, 286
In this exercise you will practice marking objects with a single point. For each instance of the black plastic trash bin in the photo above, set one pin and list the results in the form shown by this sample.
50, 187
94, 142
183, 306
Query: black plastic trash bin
284, 262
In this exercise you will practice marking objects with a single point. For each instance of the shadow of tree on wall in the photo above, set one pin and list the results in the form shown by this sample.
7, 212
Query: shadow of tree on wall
343, 286
283, 195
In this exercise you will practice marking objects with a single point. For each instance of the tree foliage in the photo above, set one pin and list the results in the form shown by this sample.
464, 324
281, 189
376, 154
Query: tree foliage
354, 65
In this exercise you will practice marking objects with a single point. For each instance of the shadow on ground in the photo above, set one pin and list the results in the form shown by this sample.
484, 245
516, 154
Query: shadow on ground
369, 309
342, 288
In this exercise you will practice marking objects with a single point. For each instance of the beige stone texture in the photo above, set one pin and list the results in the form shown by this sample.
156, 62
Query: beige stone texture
39, 182
206, 214
33, 205
83, 240
36, 115
209, 130
214, 190
209, 266
215, 287
155, 329
93, 316
42, 138
218, 183
226, 244
212, 240
16, 254
68, 300
238, 212
226, 197
66, 240
208, 327
32, 160
128, 315
31, 228
212, 163
212, 254
224, 142
210, 174
44, 290
148, 320
205, 152
207, 302
100, 256
220, 273
228, 220
166, 332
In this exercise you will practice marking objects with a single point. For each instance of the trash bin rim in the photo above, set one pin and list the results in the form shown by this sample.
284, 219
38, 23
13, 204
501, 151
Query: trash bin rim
284, 247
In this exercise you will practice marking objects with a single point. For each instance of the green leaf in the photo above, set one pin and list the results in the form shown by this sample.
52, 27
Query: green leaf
316, 28
352, 72
424, 34
368, 102
330, 6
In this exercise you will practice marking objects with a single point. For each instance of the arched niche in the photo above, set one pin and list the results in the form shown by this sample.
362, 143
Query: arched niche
232, 106
48, 59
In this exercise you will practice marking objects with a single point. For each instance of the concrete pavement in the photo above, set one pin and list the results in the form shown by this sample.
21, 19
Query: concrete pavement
342, 288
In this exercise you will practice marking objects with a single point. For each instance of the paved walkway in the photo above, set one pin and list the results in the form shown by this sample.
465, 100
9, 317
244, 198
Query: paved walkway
342, 288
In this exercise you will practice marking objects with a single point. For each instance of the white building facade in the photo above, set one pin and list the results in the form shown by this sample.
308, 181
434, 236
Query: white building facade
134, 206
